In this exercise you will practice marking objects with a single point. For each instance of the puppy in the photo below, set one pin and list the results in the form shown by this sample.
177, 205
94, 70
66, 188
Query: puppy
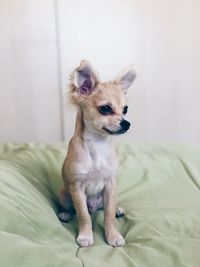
89, 169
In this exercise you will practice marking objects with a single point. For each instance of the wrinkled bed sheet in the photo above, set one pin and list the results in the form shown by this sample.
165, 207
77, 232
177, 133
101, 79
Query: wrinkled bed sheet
159, 187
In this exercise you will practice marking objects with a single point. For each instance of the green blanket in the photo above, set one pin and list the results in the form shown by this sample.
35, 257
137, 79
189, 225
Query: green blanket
158, 187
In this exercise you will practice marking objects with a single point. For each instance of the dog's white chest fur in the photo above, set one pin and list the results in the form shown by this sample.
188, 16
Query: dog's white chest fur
101, 167
99, 152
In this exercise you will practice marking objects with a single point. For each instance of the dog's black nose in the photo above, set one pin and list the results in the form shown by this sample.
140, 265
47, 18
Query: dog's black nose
125, 125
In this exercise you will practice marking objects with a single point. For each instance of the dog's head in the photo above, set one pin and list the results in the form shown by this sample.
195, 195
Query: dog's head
103, 104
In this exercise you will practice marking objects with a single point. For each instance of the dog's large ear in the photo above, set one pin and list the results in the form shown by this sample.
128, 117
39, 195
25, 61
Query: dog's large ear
126, 78
85, 78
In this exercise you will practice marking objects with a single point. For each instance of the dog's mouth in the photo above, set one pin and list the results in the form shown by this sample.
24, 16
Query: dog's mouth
120, 131
124, 126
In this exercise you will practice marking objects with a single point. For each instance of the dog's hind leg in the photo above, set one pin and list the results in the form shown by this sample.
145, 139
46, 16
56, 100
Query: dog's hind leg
65, 216
119, 212
66, 202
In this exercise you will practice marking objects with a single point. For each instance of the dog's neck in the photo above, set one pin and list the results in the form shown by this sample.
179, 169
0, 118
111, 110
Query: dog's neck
87, 133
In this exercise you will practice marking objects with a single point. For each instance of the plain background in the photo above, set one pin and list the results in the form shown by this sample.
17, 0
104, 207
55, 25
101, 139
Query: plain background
42, 41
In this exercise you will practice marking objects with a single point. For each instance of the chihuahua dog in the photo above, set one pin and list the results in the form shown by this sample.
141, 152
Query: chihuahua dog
89, 169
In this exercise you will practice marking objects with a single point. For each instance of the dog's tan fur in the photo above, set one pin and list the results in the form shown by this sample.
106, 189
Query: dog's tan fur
89, 169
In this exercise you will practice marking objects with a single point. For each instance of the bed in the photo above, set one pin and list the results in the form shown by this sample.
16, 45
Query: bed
159, 187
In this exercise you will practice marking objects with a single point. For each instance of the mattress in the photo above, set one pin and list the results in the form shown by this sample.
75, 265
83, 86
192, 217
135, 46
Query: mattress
158, 186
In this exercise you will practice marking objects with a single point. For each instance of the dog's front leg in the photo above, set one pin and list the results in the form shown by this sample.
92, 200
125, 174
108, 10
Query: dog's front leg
85, 235
112, 236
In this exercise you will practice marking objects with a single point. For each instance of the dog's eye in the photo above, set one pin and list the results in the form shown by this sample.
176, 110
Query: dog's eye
125, 110
105, 110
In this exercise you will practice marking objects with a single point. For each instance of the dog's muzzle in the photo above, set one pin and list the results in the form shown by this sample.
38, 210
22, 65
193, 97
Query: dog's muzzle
124, 126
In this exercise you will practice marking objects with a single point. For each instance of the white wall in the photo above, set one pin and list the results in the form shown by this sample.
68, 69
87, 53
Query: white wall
29, 87
162, 38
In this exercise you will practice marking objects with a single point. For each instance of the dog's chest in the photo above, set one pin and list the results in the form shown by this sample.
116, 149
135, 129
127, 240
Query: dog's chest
102, 167
101, 156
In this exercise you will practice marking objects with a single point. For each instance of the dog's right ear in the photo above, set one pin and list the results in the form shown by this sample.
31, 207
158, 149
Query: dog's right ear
84, 78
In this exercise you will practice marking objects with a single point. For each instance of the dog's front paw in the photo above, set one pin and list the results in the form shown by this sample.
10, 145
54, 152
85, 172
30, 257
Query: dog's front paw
85, 240
114, 239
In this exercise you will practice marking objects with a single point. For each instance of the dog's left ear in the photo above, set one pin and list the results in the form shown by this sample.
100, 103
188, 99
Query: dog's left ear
85, 78
126, 78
